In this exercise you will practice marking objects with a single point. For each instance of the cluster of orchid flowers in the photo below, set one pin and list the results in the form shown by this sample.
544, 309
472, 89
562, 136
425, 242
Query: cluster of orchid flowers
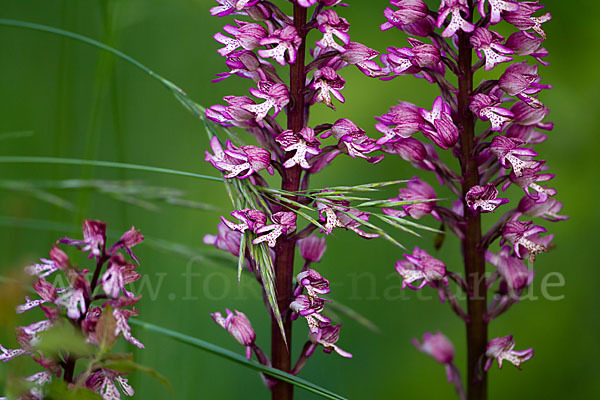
251, 49
99, 316
273, 35
502, 150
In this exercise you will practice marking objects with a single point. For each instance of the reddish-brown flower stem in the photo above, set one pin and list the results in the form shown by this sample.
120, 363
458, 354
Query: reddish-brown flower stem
284, 261
473, 254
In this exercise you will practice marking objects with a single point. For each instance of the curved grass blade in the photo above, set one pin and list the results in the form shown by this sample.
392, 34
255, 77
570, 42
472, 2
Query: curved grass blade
231, 356
196, 109
56, 31
133, 192
106, 164
352, 314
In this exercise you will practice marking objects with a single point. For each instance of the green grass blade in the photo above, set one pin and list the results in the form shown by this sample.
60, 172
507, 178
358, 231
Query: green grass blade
84, 39
231, 356
242, 256
96, 163
352, 314
15, 135
179, 94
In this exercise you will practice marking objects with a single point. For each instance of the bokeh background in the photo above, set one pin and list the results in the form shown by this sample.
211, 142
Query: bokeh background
66, 99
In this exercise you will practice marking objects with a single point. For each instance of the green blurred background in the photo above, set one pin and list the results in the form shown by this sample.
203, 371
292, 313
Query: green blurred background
76, 101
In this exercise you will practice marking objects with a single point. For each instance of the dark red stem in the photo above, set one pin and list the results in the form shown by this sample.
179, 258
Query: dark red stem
472, 252
284, 261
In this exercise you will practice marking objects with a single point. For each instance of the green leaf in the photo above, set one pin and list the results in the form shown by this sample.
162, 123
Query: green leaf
58, 390
63, 338
231, 356
106, 164
105, 329
126, 366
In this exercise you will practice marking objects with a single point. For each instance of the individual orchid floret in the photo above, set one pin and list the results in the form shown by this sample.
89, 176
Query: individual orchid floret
276, 96
411, 150
243, 63
410, 60
484, 199
511, 268
327, 82
129, 239
74, 301
525, 238
408, 12
454, 7
227, 7
486, 108
402, 121
520, 80
118, 274
10, 354
312, 248
58, 260
284, 40
284, 223
525, 45
501, 348
488, 45
251, 219
238, 162
246, 35
548, 210
235, 114
510, 153
122, 319
107, 383
304, 142
437, 346
419, 192
412, 17
94, 238
496, 9
522, 18
313, 282
353, 220
29, 305
310, 308
330, 25
238, 326
328, 212
439, 127
226, 239
360, 55
422, 268
356, 142
526, 115
327, 337
528, 182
